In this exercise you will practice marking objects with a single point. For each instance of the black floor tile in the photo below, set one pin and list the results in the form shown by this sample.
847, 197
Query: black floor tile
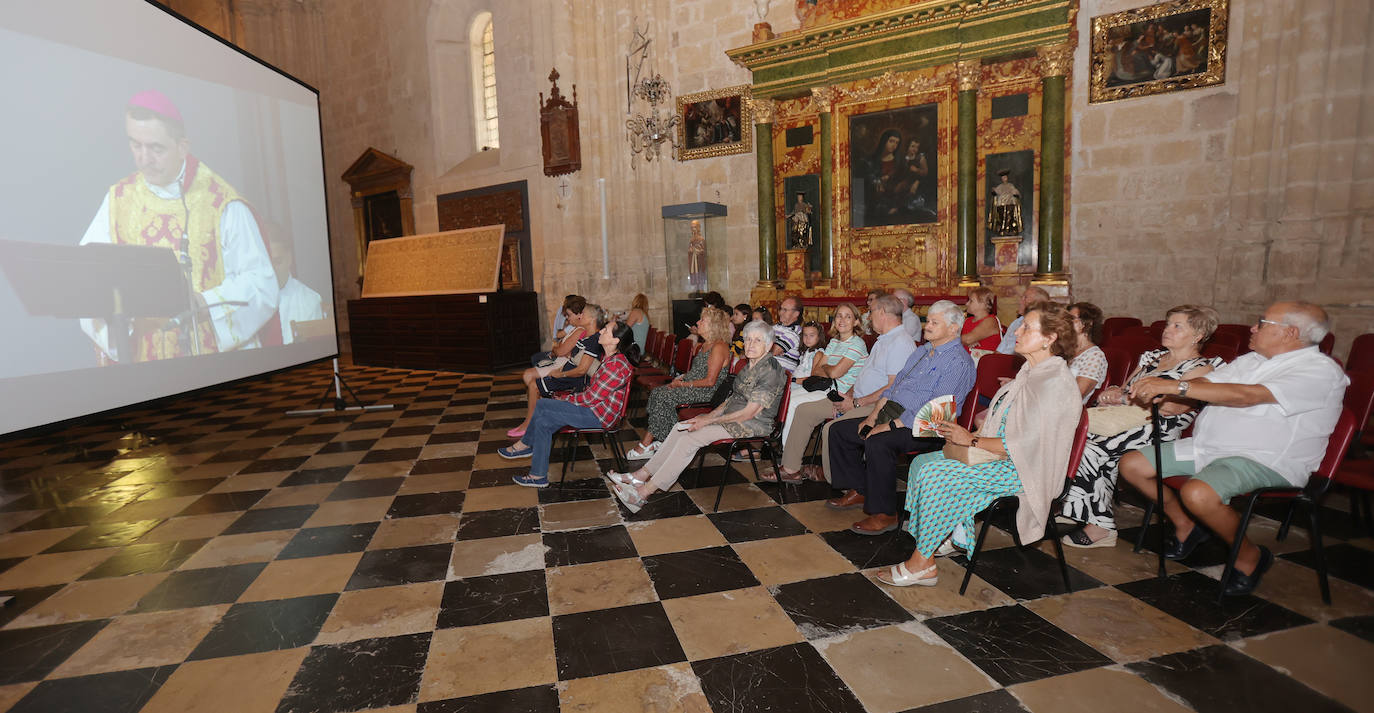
786, 678
105, 534
683, 574
372, 673
142, 559
182, 488
272, 465
498, 523
1027, 573
425, 504
332, 540
24, 600
370, 488
252, 627
1349, 562
1210, 553
266, 519
67, 517
403, 565
346, 445
199, 587
408, 431
660, 506
866, 551
842, 603
1013, 645
999, 701
306, 439
486, 600
1196, 677
388, 455
211, 503
584, 546
574, 490
456, 464
1192, 597
802, 492
494, 477
1361, 626
31, 654
536, 699
316, 476
116, 692
457, 437
756, 524
237, 455
613, 640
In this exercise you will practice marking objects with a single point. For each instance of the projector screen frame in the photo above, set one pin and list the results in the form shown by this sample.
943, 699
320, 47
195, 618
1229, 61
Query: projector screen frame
282, 360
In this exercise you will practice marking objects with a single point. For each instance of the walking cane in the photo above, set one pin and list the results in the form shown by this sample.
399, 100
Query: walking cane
1155, 439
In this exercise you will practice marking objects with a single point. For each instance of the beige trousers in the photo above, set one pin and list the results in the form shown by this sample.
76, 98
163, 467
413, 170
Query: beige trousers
804, 421
676, 454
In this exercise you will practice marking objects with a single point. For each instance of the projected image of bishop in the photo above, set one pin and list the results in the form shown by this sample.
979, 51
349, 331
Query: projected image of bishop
175, 201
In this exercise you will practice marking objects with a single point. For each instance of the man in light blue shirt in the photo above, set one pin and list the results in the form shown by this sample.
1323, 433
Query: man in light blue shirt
865, 454
1032, 295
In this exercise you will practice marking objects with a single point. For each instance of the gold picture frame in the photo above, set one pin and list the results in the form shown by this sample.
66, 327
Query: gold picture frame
715, 123
1156, 49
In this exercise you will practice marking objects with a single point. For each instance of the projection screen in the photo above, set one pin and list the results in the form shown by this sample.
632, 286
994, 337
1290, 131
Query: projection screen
164, 212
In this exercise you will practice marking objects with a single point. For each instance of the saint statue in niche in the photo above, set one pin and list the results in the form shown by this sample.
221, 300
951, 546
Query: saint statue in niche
1004, 218
696, 259
800, 230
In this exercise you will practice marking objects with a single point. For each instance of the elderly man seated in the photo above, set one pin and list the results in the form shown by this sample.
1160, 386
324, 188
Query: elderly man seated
1269, 414
911, 322
864, 454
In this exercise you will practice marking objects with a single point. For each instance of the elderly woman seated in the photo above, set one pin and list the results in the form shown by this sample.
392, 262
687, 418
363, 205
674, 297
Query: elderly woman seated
601, 405
750, 410
696, 385
1021, 449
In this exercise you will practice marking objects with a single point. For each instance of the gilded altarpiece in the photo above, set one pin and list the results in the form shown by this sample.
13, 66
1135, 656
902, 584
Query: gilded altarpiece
788, 162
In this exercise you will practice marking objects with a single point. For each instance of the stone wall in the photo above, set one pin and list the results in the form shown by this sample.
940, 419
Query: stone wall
1237, 195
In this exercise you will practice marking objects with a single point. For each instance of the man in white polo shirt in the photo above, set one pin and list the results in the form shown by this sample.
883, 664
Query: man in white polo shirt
1268, 416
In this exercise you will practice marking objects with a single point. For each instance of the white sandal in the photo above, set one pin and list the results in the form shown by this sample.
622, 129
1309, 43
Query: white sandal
643, 452
898, 576
628, 496
625, 478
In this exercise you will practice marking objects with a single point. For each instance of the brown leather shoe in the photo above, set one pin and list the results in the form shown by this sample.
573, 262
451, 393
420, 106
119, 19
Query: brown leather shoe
850, 500
874, 525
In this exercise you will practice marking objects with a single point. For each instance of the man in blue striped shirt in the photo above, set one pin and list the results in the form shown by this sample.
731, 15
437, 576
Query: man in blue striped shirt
866, 466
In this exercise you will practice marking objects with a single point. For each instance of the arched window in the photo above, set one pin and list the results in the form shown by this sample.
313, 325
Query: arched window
484, 82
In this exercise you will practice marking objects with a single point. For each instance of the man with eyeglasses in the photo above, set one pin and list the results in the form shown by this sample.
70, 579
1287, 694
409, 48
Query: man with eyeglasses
787, 333
1267, 419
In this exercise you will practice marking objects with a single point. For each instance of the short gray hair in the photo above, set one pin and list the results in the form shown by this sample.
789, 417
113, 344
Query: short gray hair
1310, 320
949, 311
889, 304
598, 315
760, 329
904, 296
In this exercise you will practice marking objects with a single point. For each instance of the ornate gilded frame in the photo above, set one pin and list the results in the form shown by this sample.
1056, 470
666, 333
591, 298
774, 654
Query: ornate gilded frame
1108, 29
745, 118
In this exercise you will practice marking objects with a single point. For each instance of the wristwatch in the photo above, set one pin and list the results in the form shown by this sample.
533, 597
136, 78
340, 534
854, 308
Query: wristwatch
1182, 388
973, 443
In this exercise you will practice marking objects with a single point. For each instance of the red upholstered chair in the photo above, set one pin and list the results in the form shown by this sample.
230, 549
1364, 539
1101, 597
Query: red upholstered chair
1135, 345
1119, 368
1008, 505
1357, 471
1361, 357
870, 340
1157, 329
1227, 352
1308, 497
770, 443
1115, 324
1239, 334
1327, 343
609, 438
1229, 339
985, 384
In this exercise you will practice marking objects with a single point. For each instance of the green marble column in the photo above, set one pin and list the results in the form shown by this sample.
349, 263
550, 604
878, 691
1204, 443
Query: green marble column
768, 246
1050, 246
966, 231
823, 243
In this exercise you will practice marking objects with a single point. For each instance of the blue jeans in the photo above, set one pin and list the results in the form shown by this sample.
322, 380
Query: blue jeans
549, 416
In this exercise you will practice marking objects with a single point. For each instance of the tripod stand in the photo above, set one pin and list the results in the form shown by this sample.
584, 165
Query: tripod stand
337, 387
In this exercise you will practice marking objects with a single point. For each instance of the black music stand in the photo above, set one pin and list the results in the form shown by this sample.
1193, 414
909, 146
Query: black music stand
116, 283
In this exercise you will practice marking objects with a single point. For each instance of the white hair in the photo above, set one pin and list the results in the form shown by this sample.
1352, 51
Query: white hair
1311, 329
950, 311
760, 329
905, 296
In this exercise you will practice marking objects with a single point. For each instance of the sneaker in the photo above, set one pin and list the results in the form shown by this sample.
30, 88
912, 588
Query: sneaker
512, 453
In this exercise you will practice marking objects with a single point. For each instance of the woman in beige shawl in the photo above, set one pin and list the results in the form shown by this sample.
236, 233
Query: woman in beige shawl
1026, 437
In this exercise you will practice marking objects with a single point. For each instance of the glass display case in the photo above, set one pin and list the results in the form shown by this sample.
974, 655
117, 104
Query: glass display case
694, 244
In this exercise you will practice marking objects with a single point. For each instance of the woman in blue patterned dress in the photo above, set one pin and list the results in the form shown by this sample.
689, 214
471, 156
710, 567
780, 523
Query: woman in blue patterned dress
1028, 432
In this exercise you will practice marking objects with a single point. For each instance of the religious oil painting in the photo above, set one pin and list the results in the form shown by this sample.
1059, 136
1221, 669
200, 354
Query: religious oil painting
1159, 48
714, 123
894, 167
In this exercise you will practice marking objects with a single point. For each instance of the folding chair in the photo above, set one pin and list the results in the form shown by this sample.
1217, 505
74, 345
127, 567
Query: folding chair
609, 438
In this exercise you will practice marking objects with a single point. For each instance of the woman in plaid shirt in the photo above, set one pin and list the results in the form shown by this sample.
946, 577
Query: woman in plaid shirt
600, 405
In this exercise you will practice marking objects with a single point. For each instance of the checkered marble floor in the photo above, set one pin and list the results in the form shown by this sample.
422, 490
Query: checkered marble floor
213, 554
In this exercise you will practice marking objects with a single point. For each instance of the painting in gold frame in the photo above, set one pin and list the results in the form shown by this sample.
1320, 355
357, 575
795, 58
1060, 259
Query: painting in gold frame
715, 123
1156, 49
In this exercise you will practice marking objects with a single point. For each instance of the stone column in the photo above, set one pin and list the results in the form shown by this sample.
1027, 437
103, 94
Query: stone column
763, 144
1054, 63
824, 98
966, 232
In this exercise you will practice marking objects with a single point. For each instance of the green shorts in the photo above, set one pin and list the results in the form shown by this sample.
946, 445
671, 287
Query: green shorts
1229, 476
